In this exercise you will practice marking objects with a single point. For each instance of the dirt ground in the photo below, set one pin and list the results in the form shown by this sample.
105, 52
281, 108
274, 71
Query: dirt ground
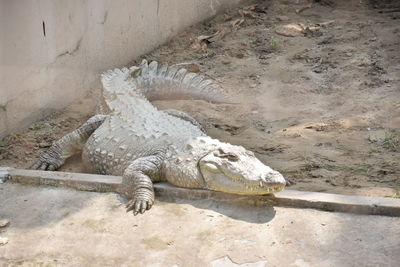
317, 87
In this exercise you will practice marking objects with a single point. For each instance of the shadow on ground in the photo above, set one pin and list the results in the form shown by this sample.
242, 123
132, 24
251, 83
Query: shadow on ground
235, 211
31, 207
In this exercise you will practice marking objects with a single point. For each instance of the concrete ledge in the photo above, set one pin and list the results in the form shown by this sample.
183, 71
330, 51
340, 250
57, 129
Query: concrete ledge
287, 198
78, 181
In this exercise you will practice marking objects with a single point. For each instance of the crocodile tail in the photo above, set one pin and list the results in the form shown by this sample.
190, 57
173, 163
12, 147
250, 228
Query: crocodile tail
157, 81
160, 82
118, 90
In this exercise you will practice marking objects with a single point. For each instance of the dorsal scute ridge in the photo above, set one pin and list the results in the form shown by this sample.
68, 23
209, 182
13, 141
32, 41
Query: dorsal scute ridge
119, 89
159, 81
156, 81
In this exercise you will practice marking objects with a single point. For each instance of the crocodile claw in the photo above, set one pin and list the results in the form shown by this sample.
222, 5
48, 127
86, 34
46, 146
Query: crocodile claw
138, 205
43, 165
49, 160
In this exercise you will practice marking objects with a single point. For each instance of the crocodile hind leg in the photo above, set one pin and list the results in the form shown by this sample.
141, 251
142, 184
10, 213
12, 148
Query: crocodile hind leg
137, 182
68, 145
184, 116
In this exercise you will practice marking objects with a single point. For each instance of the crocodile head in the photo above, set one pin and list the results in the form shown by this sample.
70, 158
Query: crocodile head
233, 169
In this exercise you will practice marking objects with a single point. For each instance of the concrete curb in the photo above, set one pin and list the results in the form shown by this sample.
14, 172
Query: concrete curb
287, 198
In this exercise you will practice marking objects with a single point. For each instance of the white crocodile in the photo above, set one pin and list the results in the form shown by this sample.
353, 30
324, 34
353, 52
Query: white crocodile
146, 145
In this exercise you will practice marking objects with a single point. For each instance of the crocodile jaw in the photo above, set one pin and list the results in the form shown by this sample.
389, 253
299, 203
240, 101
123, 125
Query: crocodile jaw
237, 185
244, 175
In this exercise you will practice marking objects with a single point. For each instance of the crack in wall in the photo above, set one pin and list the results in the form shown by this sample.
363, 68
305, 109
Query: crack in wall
104, 18
44, 28
72, 52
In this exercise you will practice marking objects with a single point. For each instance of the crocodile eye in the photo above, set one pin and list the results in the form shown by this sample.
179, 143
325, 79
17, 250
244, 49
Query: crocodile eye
226, 155
232, 157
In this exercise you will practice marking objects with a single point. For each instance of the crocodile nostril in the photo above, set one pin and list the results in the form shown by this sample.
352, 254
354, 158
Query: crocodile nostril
270, 175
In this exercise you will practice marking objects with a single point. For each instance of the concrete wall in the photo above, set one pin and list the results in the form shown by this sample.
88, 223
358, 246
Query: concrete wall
52, 51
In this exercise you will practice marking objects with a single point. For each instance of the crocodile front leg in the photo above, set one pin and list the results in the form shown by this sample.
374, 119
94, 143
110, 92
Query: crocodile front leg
68, 145
136, 182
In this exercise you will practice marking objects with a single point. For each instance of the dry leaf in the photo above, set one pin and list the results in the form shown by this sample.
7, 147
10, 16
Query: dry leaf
193, 68
199, 45
290, 30
236, 23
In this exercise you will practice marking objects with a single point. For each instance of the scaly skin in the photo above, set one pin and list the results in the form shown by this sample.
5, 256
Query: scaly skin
146, 145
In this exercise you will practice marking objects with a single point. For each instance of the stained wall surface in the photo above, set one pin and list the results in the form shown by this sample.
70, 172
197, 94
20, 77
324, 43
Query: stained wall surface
52, 51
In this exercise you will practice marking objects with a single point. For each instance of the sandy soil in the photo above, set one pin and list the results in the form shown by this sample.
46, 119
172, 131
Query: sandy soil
318, 91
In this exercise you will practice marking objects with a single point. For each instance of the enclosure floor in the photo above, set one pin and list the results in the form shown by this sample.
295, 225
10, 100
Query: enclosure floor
61, 227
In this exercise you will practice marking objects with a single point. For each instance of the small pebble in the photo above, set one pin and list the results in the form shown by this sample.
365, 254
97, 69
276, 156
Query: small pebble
3, 240
44, 145
282, 18
4, 223
193, 68
239, 55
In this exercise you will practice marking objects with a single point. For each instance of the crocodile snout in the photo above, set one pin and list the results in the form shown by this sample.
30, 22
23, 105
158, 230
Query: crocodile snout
274, 178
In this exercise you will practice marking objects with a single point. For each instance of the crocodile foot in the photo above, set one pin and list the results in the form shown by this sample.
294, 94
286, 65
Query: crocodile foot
47, 162
44, 166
